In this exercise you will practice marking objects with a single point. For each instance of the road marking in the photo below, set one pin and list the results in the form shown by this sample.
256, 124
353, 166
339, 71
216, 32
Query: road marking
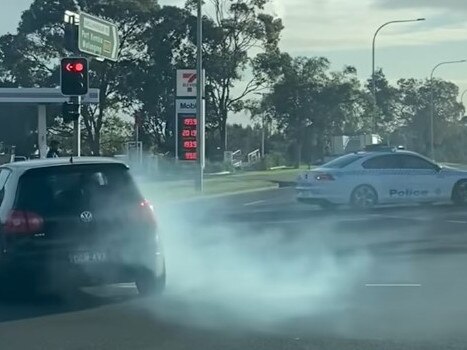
297, 221
393, 285
254, 203
400, 217
457, 221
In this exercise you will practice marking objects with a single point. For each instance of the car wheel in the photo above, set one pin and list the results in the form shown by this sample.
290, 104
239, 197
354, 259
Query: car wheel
459, 193
148, 283
364, 197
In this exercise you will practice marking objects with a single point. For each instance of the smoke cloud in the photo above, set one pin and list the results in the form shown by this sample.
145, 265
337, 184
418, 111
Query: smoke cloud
222, 273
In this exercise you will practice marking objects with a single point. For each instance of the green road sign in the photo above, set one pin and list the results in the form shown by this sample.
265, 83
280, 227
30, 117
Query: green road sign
98, 37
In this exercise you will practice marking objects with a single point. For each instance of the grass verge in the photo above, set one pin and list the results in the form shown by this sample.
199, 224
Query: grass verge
165, 191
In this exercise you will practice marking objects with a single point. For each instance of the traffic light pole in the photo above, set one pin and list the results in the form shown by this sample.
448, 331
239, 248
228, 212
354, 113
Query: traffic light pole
77, 129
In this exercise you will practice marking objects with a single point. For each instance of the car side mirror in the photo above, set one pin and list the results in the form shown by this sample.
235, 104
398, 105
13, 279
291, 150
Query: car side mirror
438, 168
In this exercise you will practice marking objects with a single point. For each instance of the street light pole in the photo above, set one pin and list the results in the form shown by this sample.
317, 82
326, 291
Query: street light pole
462, 102
199, 98
462, 96
262, 137
373, 81
432, 105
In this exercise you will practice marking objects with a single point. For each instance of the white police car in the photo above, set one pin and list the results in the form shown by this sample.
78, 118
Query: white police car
391, 176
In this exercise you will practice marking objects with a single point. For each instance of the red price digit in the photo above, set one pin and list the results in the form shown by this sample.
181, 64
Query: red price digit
193, 133
189, 144
186, 133
190, 121
191, 156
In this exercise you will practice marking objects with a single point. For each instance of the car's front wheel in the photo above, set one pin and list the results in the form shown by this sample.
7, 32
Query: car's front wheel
148, 283
459, 193
364, 197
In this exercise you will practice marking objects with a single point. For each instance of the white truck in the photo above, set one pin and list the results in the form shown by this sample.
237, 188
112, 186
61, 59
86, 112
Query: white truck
344, 144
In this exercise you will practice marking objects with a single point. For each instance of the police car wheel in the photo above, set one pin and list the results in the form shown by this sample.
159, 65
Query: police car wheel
459, 193
364, 197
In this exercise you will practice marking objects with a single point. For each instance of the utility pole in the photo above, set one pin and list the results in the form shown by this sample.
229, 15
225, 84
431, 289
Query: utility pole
263, 136
199, 99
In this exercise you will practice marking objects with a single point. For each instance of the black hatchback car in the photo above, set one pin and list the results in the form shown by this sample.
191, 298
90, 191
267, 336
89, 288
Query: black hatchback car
76, 222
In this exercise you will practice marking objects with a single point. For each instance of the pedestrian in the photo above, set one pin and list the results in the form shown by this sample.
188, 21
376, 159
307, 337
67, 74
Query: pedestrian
53, 149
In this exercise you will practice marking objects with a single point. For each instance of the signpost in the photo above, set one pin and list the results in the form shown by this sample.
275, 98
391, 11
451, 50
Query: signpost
188, 143
185, 127
186, 83
98, 37
188, 140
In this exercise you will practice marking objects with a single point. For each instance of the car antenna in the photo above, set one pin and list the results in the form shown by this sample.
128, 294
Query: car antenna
71, 159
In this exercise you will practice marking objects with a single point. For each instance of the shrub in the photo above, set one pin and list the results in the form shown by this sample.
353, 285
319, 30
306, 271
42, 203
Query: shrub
269, 161
218, 167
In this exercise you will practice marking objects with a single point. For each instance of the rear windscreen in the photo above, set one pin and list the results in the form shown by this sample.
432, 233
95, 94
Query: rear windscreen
71, 188
342, 162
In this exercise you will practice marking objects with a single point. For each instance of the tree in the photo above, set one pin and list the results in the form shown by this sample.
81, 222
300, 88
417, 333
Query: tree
294, 98
115, 133
310, 104
415, 114
152, 82
338, 109
246, 139
30, 58
384, 115
236, 30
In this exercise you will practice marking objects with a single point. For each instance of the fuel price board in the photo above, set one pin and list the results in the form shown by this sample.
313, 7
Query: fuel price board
187, 138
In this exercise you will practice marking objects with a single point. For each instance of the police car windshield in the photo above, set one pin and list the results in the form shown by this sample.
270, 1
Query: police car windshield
342, 162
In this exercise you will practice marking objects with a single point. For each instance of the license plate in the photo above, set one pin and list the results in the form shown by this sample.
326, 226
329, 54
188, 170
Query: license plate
87, 257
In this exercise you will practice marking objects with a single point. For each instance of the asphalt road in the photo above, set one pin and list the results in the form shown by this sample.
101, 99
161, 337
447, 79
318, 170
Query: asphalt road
260, 271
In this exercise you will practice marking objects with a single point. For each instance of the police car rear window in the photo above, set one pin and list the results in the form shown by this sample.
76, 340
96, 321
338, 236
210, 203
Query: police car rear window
343, 161
68, 188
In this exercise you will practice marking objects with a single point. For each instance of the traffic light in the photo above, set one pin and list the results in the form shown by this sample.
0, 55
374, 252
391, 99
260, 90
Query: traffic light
70, 112
74, 76
71, 37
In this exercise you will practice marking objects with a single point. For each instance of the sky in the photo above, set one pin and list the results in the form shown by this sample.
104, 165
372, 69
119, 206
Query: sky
342, 30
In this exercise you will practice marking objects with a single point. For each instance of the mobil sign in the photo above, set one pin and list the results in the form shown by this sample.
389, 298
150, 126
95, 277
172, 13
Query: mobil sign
186, 82
185, 106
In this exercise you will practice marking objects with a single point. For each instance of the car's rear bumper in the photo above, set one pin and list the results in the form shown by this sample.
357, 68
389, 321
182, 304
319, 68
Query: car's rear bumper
55, 270
318, 194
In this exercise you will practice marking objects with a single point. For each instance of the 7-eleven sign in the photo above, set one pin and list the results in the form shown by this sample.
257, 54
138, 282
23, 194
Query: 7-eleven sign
186, 83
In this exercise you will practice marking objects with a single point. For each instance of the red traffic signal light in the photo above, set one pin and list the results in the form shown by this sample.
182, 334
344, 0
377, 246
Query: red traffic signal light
74, 76
74, 67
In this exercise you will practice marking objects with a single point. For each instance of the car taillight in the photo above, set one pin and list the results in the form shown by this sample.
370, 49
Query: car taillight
23, 222
324, 177
147, 212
